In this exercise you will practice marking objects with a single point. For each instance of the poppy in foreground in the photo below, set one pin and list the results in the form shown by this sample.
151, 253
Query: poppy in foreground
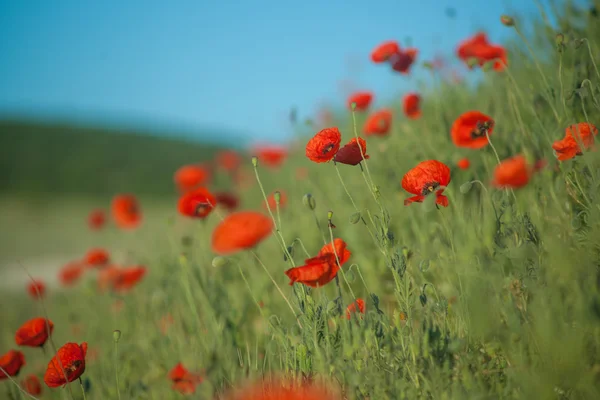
67, 365
353, 152
11, 362
412, 105
362, 100
358, 305
384, 51
282, 389
96, 219
463, 163
272, 203
322, 269
575, 135
479, 48
270, 155
378, 123
323, 146
97, 257
184, 381
71, 273
32, 385
514, 173
36, 289
34, 333
228, 160
470, 128
197, 203
403, 59
189, 177
427, 177
240, 231
126, 211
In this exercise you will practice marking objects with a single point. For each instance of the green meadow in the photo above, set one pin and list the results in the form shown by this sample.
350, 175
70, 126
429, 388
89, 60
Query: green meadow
496, 296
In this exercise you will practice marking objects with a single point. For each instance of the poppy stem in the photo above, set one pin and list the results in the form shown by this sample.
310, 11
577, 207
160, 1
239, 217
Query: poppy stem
337, 260
116, 369
82, 388
344, 186
9, 391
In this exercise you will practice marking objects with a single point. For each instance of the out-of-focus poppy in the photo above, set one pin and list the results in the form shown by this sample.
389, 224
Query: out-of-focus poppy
378, 123
107, 276
71, 273
128, 278
197, 203
36, 289
228, 160
358, 305
470, 128
283, 389
479, 48
67, 365
34, 333
11, 363
97, 257
228, 200
403, 59
427, 177
184, 381
272, 202
575, 136
270, 155
411, 104
514, 173
189, 177
384, 51
463, 163
323, 146
32, 385
126, 211
239, 231
351, 153
96, 219
322, 269
362, 100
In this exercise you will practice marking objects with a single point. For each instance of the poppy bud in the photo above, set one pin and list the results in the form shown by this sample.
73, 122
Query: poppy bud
354, 218
277, 196
309, 201
466, 187
255, 161
507, 21
423, 299
219, 262
353, 106
560, 39
329, 215
116, 335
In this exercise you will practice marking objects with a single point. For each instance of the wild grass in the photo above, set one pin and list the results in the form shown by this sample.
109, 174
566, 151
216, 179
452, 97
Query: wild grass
495, 296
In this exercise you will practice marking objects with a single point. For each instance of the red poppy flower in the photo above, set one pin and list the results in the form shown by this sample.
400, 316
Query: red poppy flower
71, 273
322, 269
197, 203
412, 105
228, 200
32, 385
283, 389
575, 135
107, 276
128, 278
96, 219
463, 163
351, 153
189, 177
427, 177
239, 231
126, 211
479, 48
67, 365
362, 100
34, 333
228, 160
514, 173
352, 308
378, 123
184, 381
11, 363
271, 156
273, 204
402, 60
36, 289
384, 51
323, 146
97, 257
469, 130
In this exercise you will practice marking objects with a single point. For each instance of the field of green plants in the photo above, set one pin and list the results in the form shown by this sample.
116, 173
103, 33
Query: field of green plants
452, 254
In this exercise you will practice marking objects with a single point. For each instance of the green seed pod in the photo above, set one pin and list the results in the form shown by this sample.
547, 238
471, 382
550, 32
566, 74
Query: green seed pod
254, 161
277, 196
559, 39
329, 215
507, 21
219, 262
353, 106
466, 187
116, 335
354, 218
309, 201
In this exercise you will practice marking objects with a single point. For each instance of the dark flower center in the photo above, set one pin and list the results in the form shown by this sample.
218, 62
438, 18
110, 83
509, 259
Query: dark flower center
481, 129
327, 148
429, 188
201, 208
132, 209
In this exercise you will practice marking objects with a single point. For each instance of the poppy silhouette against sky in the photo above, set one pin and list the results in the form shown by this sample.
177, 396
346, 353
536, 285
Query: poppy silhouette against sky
219, 66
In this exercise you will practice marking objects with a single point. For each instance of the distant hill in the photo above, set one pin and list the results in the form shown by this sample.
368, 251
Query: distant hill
63, 159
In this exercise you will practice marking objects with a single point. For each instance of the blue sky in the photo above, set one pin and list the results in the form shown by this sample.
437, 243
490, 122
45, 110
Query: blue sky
208, 67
